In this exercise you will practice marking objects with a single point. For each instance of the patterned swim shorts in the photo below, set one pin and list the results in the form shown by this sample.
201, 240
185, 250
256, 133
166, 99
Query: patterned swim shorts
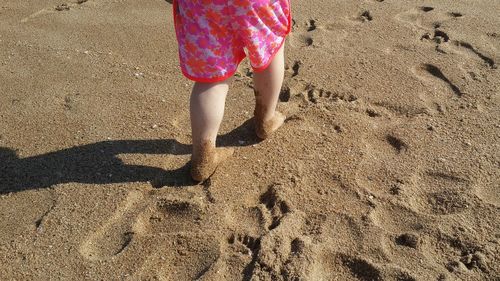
214, 36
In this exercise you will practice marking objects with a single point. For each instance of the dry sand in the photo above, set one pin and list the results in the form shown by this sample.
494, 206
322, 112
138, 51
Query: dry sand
386, 169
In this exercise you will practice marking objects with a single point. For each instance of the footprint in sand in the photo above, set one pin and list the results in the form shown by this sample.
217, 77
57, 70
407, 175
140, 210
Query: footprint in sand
180, 256
171, 222
365, 16
488, 192
413, 17
429, 73
117, 233
474, 52
250, 220
439, 37
439, 193
357, 268
461, 254
136, 216
240, 248
411, 240
275, 206
303, 37
259, 220
395, 218
323, 35
292, 72
398, 144
329, 265
171, 215
59, 8
349, 265
245, 244
314, 94
237, 257
295, 68
258, 240
342, 266
380, 170
307, 94
285, 93
62, 7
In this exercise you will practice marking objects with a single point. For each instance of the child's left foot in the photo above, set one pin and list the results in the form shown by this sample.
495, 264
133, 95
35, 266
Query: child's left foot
204, 165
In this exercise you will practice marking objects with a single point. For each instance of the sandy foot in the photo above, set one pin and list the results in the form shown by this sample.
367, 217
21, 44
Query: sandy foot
209, 158
265, 129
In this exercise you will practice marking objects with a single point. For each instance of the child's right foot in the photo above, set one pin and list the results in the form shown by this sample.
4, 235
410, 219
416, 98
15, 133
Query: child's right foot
264, 129
204, 165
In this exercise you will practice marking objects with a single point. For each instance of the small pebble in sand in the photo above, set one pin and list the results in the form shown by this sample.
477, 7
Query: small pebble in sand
154, 126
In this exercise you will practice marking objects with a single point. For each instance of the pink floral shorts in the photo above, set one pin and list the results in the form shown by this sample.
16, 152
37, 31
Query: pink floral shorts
214, 36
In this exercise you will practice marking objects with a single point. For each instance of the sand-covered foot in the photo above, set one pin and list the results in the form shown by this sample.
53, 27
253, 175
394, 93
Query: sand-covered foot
204, 165
266, 128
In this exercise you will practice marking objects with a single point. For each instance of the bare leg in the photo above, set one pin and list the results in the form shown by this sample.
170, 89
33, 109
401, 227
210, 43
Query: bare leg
207, 109
267, 86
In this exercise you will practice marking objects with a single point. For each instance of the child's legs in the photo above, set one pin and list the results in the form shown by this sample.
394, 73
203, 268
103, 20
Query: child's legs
267, 85
207, 109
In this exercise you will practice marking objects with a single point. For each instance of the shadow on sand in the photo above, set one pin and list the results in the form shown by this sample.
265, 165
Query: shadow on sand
98, 163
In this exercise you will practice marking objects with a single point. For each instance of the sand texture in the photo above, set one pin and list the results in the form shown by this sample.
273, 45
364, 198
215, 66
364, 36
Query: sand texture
387, 166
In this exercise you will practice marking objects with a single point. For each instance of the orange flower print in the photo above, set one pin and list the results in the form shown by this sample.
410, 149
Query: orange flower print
214, 35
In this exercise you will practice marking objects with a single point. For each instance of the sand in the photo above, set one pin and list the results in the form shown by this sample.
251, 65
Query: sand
387, 167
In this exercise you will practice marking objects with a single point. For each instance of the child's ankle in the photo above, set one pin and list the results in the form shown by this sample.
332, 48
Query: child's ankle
206, 159
262, 115
264, 128
202, 149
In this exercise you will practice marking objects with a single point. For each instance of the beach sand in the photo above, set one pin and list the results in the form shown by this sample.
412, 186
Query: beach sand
387, 168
